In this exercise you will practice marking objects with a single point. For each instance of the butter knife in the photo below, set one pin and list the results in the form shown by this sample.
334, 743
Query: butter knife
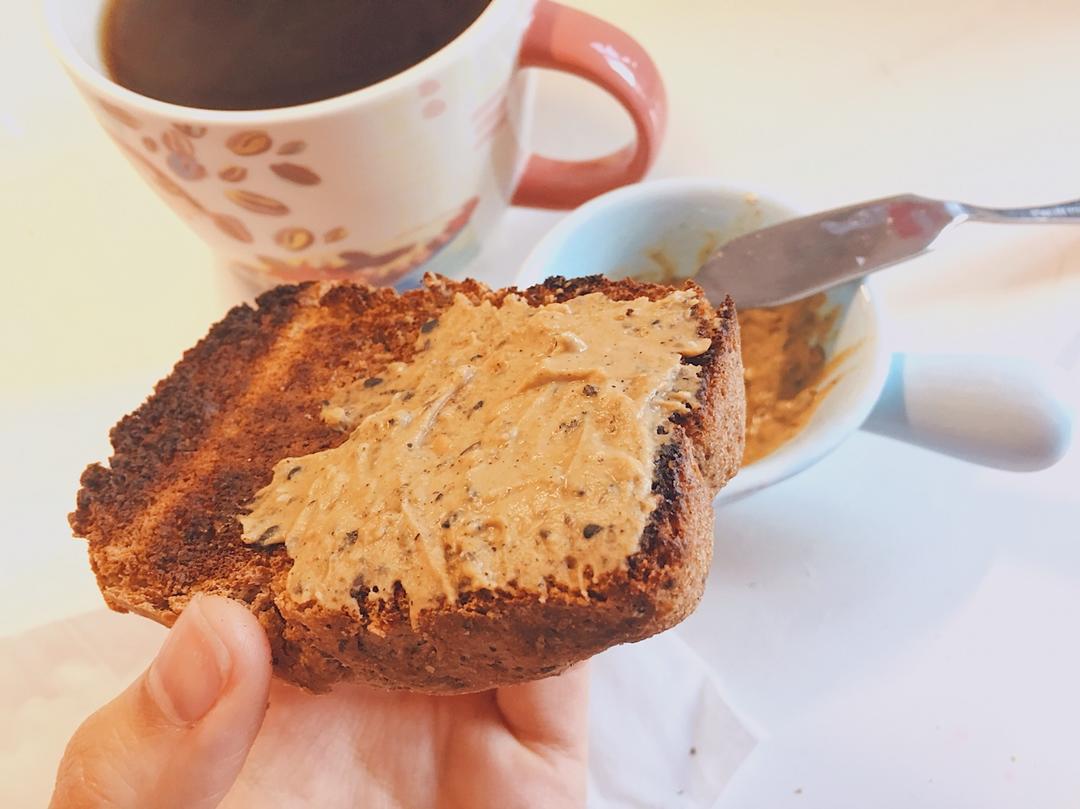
802, 256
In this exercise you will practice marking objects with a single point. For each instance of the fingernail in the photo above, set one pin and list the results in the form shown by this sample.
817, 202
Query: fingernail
189, 673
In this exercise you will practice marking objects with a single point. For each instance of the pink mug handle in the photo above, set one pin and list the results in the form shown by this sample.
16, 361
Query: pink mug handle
572, 41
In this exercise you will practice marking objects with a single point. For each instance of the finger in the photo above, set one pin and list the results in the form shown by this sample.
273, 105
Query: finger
553, 712
179, 734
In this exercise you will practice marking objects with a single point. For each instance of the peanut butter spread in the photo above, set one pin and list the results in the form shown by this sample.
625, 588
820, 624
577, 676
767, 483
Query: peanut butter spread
517, 448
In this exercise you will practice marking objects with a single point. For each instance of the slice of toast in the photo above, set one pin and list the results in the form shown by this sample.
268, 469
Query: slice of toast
163, 519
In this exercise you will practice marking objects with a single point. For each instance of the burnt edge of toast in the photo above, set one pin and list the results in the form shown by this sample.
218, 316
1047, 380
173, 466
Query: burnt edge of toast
196, 544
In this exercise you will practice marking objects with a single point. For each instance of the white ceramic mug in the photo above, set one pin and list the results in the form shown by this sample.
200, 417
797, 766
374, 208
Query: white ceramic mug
383, 183
994, 411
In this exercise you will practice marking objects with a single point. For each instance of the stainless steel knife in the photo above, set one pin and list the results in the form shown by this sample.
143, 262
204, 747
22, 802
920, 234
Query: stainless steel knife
802, 256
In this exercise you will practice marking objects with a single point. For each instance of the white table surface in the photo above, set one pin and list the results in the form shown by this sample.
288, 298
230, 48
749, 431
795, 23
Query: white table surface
897, 623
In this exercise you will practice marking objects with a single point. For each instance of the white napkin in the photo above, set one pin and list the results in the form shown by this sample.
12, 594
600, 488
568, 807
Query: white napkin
661, 735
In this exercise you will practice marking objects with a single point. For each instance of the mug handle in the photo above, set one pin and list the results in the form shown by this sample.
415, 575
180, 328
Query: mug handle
572, 41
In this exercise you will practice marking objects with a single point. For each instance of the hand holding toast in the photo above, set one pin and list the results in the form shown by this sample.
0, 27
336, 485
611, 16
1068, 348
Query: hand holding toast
206, 726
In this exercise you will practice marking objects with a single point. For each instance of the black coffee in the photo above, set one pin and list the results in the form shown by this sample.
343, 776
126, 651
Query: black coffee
258, 54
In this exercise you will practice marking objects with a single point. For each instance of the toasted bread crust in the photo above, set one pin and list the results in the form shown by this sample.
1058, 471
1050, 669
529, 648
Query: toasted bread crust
161, 518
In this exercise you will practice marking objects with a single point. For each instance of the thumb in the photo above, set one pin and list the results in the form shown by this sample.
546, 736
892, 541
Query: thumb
178, 736
552, 713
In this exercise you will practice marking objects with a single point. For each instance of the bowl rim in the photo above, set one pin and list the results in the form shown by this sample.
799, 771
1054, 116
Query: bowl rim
793, 457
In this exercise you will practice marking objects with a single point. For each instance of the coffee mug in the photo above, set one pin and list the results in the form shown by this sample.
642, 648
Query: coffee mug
387, 182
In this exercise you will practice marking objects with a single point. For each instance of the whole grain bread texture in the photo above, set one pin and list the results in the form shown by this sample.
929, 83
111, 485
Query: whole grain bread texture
161, 517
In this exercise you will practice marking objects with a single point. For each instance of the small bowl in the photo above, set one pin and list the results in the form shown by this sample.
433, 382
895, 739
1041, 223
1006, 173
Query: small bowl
1000, 412
664, 230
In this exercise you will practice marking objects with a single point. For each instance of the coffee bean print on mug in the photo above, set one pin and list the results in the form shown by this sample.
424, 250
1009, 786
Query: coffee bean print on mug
293, 173
191, 130
382, 267
177, 142
231, 226
257, 203
258, 174
181, 158
249, 143
292, 147
294, 238
184, 166
232, 174
432, 107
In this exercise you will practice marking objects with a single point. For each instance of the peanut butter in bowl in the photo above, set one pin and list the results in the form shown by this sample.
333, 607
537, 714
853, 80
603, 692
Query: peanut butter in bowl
785, 359
786, 370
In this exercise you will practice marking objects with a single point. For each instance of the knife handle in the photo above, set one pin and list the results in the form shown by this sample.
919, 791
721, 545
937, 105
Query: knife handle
999, 412
1061, 213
